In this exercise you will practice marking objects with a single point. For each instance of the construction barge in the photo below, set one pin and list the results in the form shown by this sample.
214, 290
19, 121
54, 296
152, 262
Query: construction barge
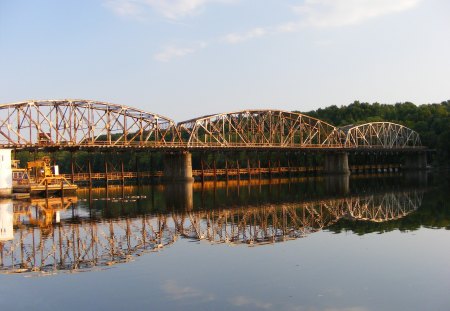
40, 178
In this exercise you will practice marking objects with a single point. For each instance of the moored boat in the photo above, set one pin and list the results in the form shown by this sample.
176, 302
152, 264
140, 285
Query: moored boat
39, 177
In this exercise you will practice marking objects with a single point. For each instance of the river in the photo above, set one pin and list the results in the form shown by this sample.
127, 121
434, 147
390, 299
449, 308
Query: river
358, 243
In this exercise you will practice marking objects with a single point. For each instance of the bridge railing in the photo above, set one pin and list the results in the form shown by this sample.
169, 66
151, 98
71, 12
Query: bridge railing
192, 146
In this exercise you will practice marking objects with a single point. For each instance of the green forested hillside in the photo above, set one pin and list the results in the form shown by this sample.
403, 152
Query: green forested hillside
431, 121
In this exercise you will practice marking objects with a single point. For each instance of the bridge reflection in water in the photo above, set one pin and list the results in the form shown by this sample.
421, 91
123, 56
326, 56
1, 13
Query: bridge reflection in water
94, 231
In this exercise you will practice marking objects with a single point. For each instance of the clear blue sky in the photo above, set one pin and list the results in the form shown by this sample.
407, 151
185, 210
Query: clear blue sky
186, 58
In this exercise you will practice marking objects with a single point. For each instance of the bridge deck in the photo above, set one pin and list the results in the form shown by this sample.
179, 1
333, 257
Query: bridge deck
181, 147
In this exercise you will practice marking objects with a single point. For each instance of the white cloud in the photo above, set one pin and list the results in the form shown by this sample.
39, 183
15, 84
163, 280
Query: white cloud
259, 32
288, 27
125, 8
171, 52
171, 9
174, 9
241, 301
312, 13
327, 13
332, 13
176, 291
234, 38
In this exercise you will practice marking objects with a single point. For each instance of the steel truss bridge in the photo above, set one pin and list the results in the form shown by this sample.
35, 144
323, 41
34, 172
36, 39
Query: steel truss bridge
80, 241
90, 125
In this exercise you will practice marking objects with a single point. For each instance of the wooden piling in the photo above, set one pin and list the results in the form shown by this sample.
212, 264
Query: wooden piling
259, 169
138, 179
203, 170
151, 168
46, 188
315, 164
90, 173
106, 173
122, 173
270, 170
238, 171
289, 168
72, 166
226, 170
214, 170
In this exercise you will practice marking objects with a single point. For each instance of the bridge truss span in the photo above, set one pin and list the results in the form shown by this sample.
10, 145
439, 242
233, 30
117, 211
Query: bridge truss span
386, 135
86, 124
259, 129
77, 123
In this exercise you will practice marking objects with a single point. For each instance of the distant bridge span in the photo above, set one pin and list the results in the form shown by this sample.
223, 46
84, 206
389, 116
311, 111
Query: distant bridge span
85, 124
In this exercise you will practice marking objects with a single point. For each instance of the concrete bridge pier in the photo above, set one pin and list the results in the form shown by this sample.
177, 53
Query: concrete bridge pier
415, 161
336, 163
178, 167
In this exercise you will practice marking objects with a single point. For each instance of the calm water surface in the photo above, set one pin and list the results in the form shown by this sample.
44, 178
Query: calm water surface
358, 243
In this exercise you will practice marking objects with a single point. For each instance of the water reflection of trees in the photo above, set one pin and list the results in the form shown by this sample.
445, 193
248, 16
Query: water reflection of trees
59, 234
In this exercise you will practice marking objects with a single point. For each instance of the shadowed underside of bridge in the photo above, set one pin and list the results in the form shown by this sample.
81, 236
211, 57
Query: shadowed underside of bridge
85, 124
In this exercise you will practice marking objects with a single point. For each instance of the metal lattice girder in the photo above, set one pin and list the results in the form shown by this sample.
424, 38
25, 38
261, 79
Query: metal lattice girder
259, 128
72, 122
85, 123
381, 134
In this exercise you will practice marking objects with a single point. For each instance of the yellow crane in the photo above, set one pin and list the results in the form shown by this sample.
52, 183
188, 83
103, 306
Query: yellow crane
40, 168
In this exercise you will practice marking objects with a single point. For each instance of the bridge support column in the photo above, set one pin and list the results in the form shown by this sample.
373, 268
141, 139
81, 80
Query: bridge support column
5, 173
336, 163
415, 161
178, 167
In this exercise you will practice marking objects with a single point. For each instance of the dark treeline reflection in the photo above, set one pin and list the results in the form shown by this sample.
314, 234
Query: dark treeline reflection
434, 211
102, 227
